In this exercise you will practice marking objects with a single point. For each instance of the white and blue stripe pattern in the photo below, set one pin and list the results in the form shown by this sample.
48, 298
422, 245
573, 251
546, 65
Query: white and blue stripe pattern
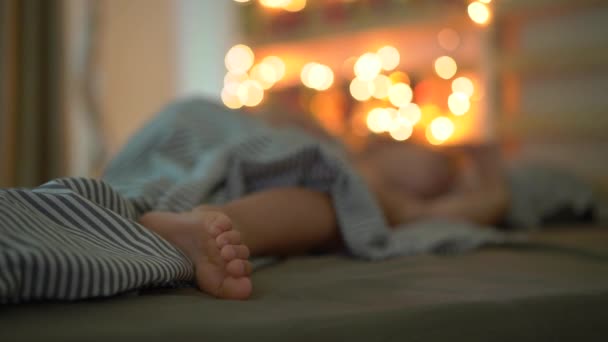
78, 238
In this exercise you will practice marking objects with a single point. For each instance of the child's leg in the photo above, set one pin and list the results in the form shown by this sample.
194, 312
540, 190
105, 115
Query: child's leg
283, 221
218, 239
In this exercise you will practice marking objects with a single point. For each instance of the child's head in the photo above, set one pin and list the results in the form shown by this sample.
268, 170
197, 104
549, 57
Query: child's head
418, 170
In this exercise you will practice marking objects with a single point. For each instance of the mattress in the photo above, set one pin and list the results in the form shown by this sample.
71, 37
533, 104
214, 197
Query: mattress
554, 288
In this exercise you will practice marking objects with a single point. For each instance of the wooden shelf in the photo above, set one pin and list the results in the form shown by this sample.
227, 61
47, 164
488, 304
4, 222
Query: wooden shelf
395, 15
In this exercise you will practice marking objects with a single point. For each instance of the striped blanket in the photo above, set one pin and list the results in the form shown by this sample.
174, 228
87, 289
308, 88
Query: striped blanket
77, 238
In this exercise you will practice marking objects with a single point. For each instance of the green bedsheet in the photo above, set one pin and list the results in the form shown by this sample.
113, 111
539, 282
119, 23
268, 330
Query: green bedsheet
553, 289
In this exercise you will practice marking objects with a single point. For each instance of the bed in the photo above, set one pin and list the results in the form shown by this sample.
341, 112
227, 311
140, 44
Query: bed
554, 288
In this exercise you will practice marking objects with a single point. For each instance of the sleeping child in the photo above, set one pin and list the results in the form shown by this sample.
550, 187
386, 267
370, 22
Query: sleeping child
200, 190
409, 183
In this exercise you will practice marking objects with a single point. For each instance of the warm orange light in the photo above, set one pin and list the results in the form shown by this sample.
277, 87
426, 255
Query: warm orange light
368, 66
459, 103
264, 74
381, 85
242, 1
379, 120
361, 90
274, 3
389, 57
411, 112
479, 12
373, 120
400, 94
239, 59
402, 129
445, 67
317, 76
230, 98
250, 93
442, 128
295, 5
448, 39
399, 76
277, 64
463, 85
234, 78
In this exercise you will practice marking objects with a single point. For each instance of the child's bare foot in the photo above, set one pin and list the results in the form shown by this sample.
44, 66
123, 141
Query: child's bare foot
215, 249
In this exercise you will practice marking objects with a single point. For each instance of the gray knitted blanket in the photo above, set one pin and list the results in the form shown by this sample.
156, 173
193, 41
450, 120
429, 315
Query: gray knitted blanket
76, 238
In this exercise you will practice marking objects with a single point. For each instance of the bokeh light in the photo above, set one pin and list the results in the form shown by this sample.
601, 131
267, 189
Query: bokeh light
295, 5
402, 129
399, 77
368, 66
317, 76
381, 86
239, 59
274, 3
277, 64
445, 67
250, 93
389, 57
234, 78
380, 120
463, 85
479, 12
459, 103
441, 128
448, 39
400, 94
230, 98
361, 90
411, 112
265, 74
373, 120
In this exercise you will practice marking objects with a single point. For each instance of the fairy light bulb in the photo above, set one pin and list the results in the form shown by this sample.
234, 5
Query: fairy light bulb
459, 103
250, 93
230, 98
295, 5
264, 74
411, 112
239, 59
373, 120
463, 85
389, 57
446, 67
274, 3
400, 94
368, 66
442, 128
277, 64
361, 90
402, 129
479, 12
317, 76
234, 78
381, 86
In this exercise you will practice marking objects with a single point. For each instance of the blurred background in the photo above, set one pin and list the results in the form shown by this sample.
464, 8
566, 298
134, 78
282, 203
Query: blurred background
80, 76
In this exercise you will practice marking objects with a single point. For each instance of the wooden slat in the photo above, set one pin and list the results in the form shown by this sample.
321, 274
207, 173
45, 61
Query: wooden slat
583, 126
527, 9
557, 61
423, 14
